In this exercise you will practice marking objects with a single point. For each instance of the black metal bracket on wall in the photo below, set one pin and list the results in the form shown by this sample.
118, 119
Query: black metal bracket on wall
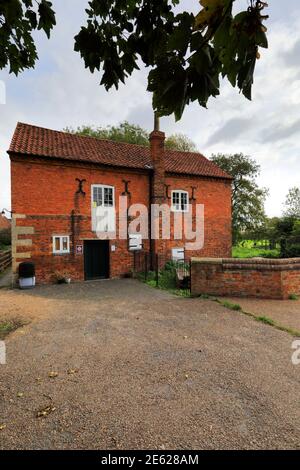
192, 198
80, 186
167, 186
126, 191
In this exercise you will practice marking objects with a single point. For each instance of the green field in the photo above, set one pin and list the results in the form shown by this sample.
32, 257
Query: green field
248, 249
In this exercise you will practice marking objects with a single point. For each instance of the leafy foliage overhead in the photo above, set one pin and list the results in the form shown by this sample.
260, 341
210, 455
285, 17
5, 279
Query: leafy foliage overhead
186, 54
18, 20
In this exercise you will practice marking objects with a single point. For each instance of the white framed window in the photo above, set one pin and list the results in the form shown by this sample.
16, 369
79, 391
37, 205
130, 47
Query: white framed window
61, 244
180, 201
135, 242
103, 197
178, 254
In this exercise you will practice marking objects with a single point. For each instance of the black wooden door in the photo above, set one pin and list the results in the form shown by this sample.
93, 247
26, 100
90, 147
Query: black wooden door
96, 259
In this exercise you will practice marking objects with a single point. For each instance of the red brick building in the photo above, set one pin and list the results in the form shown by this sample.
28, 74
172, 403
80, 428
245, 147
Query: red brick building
58, 179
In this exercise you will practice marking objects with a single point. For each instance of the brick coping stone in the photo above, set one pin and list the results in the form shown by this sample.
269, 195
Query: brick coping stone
259, 264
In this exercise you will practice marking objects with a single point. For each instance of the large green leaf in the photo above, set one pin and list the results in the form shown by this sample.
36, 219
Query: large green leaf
185, 54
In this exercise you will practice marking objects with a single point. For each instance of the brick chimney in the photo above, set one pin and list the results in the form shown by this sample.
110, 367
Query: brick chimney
157, 149
158, 190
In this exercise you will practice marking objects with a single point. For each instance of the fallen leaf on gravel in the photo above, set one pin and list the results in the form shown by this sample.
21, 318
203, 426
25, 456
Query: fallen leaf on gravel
185, 337
47, 396
20, 394
72, 371
2, 426
42, 413
52, 374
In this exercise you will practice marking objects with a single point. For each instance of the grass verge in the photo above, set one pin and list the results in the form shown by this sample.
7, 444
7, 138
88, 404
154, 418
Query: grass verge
166, 281
294, 297
171, 290
261, 319
231, 306
8, 326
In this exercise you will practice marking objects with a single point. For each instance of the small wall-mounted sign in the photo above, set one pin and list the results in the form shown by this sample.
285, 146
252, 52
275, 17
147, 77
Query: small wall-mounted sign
113, 247
79, 249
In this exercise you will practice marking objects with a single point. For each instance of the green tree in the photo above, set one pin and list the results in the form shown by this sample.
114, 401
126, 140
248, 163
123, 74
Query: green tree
180, 142
264, 232
124, 132
247, 198
292, 203
132, 134
284, 232
296, 229
288, 227
186, 54
270, 231
284, 227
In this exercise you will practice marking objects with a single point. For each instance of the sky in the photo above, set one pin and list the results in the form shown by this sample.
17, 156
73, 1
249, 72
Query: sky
60, 92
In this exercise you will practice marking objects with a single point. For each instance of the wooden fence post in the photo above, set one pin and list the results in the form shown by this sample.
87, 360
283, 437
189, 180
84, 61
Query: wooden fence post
5, 260
190, 277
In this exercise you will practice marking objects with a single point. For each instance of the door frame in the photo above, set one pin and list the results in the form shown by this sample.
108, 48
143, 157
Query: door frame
87, 240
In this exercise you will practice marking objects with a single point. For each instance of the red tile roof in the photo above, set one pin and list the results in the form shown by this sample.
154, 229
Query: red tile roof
4, 222
37, 141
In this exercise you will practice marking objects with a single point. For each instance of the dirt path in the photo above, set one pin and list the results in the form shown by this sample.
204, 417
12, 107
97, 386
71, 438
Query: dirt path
6, 278
139, 368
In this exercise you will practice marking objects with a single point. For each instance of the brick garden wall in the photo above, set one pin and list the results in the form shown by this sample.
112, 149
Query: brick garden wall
261, 278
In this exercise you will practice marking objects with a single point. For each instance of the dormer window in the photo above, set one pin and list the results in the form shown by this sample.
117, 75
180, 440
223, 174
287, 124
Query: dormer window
180, 201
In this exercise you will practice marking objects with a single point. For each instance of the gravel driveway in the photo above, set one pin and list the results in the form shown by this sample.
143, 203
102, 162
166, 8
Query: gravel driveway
284, 312
140, 368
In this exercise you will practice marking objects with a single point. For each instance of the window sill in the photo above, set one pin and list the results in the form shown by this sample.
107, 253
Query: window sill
179, 210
